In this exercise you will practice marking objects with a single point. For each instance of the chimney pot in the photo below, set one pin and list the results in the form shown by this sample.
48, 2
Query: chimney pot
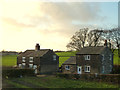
105, 44
37, 47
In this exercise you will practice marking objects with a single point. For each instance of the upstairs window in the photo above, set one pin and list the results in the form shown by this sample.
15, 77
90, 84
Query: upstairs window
87, 57
67, 67
54, 57
23, 59
87, 68
30, 59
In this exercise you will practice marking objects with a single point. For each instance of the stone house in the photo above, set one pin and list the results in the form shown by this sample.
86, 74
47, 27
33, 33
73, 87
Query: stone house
97, 60
94, 60
43, 61
69, 66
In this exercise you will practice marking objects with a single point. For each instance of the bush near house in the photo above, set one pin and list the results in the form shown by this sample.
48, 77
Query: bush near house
116, 69
110, 78
15, 72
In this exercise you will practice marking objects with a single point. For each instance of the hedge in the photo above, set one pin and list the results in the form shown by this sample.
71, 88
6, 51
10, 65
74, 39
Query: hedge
111, 78
17, 72
116, 69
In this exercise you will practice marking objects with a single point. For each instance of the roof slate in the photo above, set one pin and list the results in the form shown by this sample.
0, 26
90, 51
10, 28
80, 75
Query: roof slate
33, 53
92, 50
71, 60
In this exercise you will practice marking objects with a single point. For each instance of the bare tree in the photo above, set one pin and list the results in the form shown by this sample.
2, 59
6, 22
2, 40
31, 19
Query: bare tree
84, 37
113, 36
94, 37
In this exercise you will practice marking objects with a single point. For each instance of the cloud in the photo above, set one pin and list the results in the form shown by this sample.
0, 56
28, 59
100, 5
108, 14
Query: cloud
48, 22
14, 22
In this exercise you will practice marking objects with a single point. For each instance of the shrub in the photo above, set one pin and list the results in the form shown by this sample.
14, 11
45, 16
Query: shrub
116, 69
17, 72
111, 78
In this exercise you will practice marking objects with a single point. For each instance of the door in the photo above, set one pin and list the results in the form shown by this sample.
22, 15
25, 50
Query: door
79, 69
35, 71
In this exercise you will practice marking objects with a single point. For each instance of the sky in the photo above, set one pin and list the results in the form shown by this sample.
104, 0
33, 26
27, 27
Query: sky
24, 23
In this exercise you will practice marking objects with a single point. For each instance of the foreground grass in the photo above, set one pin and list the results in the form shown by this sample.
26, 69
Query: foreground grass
56, 82
15, 85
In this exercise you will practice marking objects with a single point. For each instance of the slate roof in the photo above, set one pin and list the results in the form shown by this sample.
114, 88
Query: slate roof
92, 50
71, 60
33, 53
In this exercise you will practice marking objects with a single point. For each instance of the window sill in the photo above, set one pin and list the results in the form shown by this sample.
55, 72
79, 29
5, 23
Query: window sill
67, 69
87, 71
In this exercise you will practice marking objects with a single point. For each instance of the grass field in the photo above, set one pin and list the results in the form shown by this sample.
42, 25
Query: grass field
52, 82
10, 60
116, 58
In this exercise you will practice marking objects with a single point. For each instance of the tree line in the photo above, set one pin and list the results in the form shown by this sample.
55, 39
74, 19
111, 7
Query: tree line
96, 37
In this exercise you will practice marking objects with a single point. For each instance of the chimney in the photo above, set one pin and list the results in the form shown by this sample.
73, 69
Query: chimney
37, 47
105, 44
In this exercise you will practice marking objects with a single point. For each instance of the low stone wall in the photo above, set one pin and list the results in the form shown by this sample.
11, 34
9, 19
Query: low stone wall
110, 78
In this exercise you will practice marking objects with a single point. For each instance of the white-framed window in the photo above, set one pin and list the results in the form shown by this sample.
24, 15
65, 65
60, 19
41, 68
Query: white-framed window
23, 65
34, 66
30, 65
87, 68
110, 57
19, 65
67, 67
30, 59
23, 59
54, 57
87, 57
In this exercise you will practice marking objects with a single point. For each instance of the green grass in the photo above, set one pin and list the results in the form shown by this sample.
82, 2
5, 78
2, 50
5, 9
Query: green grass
15, 85
57, 82
62, 60
63, 56
9, 60
116, 58
66, 54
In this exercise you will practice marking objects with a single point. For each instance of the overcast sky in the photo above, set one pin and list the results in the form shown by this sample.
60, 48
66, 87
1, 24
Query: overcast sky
51, 24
